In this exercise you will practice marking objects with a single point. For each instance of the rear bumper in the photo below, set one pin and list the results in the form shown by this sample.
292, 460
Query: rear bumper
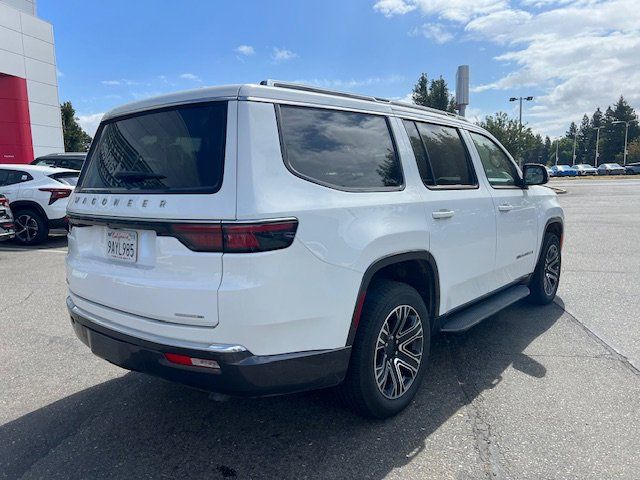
240, 373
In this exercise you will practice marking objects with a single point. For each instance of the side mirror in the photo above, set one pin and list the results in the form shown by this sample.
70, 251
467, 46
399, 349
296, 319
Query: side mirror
534, 174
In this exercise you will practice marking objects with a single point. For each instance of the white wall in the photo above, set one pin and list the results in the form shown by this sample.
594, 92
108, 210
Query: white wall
27, 51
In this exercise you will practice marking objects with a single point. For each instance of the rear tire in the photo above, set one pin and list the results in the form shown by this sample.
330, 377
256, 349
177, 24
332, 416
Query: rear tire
31, 228
546, 278
390, 352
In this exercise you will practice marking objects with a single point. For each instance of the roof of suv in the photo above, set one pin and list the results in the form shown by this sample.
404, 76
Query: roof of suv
271, 90
43, 169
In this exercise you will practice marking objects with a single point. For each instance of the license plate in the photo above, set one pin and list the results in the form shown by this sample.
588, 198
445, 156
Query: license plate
122, 245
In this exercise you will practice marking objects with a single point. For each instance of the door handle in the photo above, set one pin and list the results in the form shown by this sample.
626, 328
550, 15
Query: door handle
505, 207
443, 214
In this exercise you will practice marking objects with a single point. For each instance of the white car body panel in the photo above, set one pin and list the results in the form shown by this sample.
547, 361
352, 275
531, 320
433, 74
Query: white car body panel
301, 298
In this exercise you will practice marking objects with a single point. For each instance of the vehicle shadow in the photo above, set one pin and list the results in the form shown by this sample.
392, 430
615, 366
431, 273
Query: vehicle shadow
138, 426
55, 240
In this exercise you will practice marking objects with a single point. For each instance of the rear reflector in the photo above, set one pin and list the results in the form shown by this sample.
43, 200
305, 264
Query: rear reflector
236, 237
191, 361
56, 193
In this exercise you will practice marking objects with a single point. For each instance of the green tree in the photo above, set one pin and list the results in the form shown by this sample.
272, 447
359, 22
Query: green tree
520, 141
434, 94
596, 121
633, 149
420, 94
75, 138
613, 133
584, 134
546, 151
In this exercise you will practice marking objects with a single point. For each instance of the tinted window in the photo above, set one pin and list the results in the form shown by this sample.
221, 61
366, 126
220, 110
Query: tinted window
341, 149
67, 178
11, 177
420, 152
499, 168
177, 150
447, 155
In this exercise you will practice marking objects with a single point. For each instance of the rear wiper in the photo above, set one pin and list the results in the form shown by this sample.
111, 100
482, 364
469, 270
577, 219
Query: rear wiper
132, 176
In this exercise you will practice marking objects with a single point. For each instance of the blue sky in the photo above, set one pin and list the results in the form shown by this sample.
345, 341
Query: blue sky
571, 55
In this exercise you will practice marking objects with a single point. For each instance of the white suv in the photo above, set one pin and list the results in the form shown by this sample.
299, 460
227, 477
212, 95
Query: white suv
38, 197
265, 239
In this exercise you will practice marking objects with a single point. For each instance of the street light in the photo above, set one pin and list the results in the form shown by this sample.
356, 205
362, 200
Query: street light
626, 134
597, 141
513, 99
575, 141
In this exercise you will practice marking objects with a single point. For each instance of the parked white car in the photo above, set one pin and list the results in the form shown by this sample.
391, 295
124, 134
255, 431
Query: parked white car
585, 169
38, 197
265, 239
611, 169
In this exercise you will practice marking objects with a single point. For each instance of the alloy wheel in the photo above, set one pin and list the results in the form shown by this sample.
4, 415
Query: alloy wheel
551, 269
26, 227
398, 353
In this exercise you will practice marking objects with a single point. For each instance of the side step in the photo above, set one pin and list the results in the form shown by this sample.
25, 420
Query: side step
473, 315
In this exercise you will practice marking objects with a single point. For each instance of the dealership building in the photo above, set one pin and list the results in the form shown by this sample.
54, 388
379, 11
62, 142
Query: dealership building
30, 123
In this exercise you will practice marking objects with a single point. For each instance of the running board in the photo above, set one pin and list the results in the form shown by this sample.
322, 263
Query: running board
473, 315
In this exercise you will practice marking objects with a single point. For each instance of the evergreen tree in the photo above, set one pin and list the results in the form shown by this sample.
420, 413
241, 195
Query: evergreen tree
75, 138
613, 133
596, 121
584, 133
546, 151
439, 94
421, 91
434, 94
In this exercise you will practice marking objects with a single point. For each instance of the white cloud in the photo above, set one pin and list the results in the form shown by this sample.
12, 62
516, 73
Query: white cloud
282, 54
190, 76
122, 81
245, 50
393, 7
434, 31
351, 83
90, 122
575, 55
453, 10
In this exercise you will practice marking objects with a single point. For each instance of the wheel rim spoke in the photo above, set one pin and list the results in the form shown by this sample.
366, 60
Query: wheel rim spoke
398, 351
551, 269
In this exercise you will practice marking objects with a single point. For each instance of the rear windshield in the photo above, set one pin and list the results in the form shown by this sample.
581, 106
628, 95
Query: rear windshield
68, 178
173, 150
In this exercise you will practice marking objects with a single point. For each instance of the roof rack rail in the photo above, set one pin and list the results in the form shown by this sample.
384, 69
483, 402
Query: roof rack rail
326, 91
427, 109
357, 96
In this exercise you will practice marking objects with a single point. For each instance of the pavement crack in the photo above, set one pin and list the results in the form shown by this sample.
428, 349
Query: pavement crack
15, 304
486, 447
599, 340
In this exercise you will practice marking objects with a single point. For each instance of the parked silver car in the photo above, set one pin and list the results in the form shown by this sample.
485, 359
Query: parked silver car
611, 169
7, 230
585, 169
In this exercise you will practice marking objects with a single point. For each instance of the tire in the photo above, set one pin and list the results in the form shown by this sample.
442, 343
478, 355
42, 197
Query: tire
31, 228
371, 387
546, 278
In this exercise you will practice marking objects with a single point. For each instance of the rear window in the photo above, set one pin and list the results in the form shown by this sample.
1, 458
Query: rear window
343, 150
172, 150
67, 178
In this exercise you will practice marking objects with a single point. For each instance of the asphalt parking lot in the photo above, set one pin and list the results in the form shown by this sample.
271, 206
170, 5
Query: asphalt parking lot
531, 393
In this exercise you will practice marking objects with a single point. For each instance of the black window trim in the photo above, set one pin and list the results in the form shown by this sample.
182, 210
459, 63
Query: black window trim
174, 191
504, 151
467, 155
285, 156
20, 172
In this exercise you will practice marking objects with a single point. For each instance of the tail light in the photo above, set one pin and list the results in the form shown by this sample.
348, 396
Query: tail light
56, 193
236, 237
192, 361
4, 202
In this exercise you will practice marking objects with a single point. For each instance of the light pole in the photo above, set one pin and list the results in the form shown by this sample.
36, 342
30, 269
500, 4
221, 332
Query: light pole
626, 135
557, 143
513, 99
597, 129
575, 141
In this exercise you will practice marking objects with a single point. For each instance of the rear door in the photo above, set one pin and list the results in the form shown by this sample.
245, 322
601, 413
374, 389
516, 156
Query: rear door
459, 212
153, 187
515, 211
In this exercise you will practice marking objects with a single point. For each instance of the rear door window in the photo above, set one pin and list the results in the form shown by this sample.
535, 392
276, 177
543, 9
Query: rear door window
339, 149
171, 150
11, 177
442, 158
